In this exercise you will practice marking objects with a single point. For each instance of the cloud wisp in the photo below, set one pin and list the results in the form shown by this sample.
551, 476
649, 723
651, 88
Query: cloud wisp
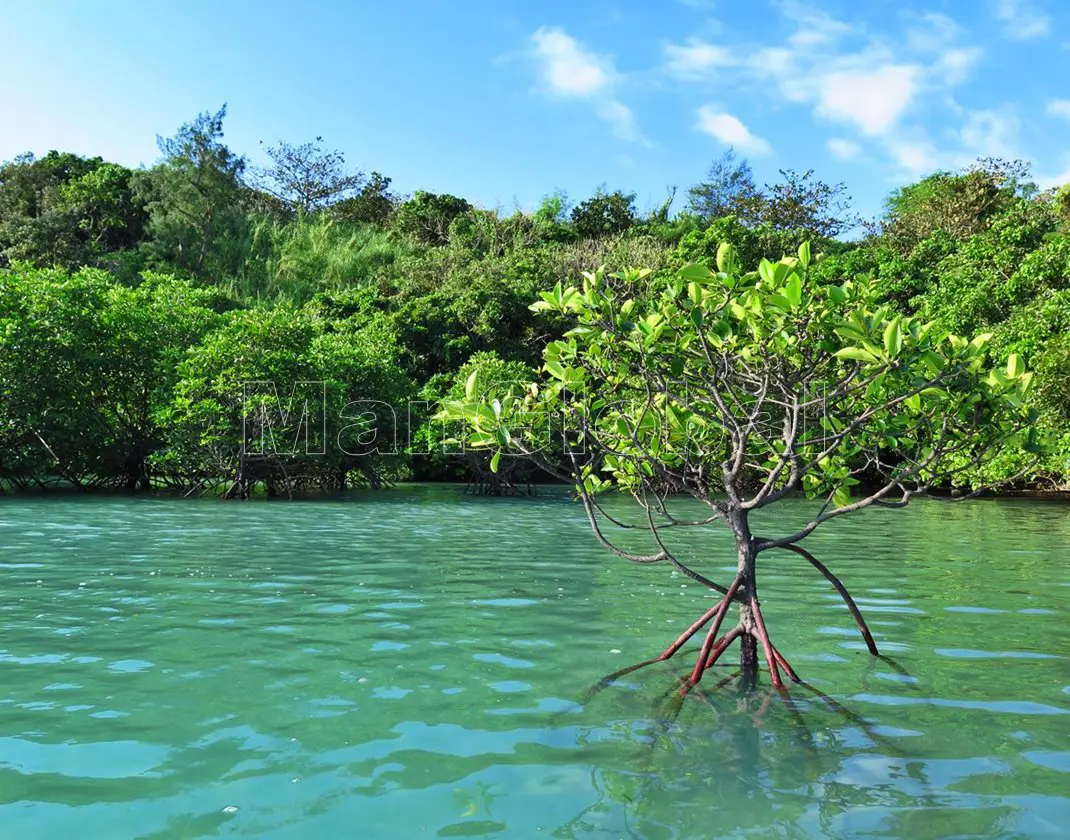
730, 131
570, 70
1059, 108
842, 149
696, 59
879, 91
1021, 20
876, 86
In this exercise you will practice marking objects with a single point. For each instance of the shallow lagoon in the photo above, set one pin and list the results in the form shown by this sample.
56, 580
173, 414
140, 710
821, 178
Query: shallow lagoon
413, 663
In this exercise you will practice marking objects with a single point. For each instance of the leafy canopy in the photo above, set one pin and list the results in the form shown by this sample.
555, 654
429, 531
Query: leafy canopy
756, 383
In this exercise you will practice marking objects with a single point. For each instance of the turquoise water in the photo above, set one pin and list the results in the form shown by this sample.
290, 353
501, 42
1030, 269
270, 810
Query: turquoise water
414, 664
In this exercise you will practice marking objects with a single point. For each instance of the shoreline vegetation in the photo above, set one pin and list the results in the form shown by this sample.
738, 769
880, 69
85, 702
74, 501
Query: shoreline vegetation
137, 306
541, 486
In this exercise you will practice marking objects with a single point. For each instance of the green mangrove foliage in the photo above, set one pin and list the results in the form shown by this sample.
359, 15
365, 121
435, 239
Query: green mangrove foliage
289, 399
85, 366
132, 299
439, 440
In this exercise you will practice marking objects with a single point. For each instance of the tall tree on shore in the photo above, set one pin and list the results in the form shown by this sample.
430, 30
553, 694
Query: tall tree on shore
798, 202
802, 202
960, 204
306, 177
604, 214
195, 199
373, 203
729, 190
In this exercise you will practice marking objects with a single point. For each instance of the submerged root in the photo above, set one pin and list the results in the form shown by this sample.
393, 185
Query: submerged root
668, 653
716, 612
713, 648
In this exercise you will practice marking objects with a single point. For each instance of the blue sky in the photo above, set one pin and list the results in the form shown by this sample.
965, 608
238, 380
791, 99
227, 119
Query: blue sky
503, 102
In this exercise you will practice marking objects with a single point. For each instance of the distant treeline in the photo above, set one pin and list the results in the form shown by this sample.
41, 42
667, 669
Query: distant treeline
136, 305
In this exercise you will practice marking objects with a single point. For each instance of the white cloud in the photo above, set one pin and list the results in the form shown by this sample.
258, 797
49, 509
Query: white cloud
730, 131
869, 89
696, 59
990, 133
843, 149
872, 101
936, 36
1059, 108
568, 67
1021, 20
953, 66
620, 118
1049, 182
814, 28
979, 133
933, 32
870, 82
782, 65
571, 70
914, 157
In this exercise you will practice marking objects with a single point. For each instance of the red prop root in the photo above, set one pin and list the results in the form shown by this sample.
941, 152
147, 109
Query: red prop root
711, 636
752, 627
837, 584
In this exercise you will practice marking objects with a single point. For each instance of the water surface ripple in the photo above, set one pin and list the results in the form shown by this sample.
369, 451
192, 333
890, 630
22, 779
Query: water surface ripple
413, 664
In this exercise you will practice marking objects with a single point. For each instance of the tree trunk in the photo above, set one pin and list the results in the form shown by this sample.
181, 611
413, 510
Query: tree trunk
745, 567
750, 631
748, 641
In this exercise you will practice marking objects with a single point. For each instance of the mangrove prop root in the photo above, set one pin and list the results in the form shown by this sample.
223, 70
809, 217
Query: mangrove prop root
707, 646
687, 634
668, 653
786, 666
847, 599
686, 687
767, 646
759, 715
726, 680
753, 631
670, 708
895, 666
722, 645
711, 636
889, 746
696, 691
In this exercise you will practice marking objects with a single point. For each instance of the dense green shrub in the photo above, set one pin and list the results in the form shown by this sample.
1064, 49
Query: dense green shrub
134, 303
